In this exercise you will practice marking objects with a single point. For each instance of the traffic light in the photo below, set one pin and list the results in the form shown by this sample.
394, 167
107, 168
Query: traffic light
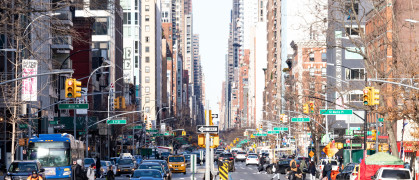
123, 106
210, 118
367, 96
77, 88
69, 89
215, 141
305, 108
374, 134
116, 103
375, 96
311, 104
148, 125
183, 133
281, 118
201, 140
285, 118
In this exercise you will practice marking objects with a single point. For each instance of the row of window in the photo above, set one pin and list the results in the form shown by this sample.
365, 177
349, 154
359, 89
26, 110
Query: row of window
350, 74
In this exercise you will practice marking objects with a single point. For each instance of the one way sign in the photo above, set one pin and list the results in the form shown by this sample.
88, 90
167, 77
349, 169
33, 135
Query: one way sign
214, 115
207, 129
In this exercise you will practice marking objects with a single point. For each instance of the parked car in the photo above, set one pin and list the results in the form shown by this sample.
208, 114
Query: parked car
241, 156
104, 167
390, 173
155, 166
23, 169
125, 166
88, 162
283, 165
354, 173
165, 165
346, 172
252, 159
149, 174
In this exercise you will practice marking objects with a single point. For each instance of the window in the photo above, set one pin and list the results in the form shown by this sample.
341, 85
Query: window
136, 61
324, 57
355, 97
147, 18
324, 71
136, 4
147, 59
147, 28
352, 9
147, 109
311, 71
147, 8
136, 47
353, 31
354, 74
311, 56
136, 19
147, 39
312, 86
147, 49
100, 26
147, 99
127, 18
147, 89
147, 79
323, 87
147, 69
98, 4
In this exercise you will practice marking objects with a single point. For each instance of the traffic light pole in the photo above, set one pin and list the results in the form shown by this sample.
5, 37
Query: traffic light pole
365, 120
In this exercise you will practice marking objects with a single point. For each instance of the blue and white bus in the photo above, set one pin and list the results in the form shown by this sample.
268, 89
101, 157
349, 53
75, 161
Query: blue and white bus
56, 153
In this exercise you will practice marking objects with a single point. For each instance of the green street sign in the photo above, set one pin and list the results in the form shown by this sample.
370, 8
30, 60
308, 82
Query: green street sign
280, 128
119, 121
166, 134
335, 111
73, 106
273, 132
23, 126
135, 127
380, 119
151, 130
260, 134
130, 137
179, 138
53, 122
309, 134
81, 133
300, 119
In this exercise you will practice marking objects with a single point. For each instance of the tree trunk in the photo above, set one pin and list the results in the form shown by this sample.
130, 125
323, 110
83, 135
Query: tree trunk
316, 143
392, 138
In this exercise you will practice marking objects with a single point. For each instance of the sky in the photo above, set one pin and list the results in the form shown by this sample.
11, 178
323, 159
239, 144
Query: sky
211, 21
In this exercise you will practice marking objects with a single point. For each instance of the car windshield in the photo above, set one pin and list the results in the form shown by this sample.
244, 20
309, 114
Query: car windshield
176, 159
89, 161
150, 167
348, 169
103, 163
395, 174
227, 155
241, 153
284, 162
125, 161
154, 174
22, 167
165, 154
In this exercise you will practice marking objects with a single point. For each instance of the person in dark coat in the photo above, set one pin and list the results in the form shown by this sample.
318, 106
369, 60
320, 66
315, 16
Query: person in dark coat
98, 167
230, 169
79, 173
312, 170
328, 170
110, 175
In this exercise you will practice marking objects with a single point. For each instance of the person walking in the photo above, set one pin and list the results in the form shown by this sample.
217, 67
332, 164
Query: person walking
294, 168
328, 170
312, 170
79, 172
98, 165
91, 172
110, 175
275, 170
303, 167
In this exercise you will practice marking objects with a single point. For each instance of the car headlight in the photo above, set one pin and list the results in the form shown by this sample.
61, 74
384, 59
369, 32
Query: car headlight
182, 165
66, 173
7, 178
119, 169
170, 165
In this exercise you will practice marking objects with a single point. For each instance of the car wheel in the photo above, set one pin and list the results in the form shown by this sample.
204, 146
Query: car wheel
247, 164
184, 172
269, 170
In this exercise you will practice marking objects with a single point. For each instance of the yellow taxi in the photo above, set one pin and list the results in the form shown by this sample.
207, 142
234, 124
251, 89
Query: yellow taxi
177, 163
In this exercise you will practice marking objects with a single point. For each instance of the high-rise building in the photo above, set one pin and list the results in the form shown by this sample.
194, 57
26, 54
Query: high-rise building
151, 79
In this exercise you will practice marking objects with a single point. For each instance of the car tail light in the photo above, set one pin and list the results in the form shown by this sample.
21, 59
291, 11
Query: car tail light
247, 159
231, 158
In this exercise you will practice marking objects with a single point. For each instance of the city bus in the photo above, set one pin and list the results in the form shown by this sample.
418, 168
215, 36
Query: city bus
56, 153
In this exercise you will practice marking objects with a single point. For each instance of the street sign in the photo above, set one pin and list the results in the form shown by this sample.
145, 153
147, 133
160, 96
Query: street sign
300, 119
380, 119
207, 129
357, 132
53, 122
117, 121
258, 134
136, 127
166, 134
273, 132
130, 137
280, 128
23, 126
214, 115
151, 130
73, 106
335, 111
61, 126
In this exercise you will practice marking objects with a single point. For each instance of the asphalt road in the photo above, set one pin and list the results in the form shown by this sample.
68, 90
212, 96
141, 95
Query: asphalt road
244, 172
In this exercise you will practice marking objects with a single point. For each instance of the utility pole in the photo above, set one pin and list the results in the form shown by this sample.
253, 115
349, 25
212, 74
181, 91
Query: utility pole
207, 148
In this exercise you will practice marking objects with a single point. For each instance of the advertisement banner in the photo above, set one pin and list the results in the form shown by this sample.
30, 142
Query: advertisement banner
29, 85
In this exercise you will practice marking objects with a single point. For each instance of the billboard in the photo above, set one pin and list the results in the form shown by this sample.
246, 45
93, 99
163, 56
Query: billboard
29, 85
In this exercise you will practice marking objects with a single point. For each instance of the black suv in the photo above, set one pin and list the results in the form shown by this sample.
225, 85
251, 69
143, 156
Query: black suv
23, 169
225, 157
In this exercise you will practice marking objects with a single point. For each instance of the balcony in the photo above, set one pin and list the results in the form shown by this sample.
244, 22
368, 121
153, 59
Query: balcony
62, 42
64, 19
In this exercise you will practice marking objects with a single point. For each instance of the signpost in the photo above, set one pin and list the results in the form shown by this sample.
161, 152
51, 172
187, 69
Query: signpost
335, 111
73, 106
273, 132
117, 121
207, 129
300, 119
280, 128
214, 115
258, 134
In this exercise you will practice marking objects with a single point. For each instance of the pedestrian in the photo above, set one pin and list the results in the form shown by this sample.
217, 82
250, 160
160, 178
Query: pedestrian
312, 170
230, 169
110, 175
275, 170
328, 170
91, 172
79, 172
298, 175
340, 161
303, 167
34, 176
98, 165
293, 167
